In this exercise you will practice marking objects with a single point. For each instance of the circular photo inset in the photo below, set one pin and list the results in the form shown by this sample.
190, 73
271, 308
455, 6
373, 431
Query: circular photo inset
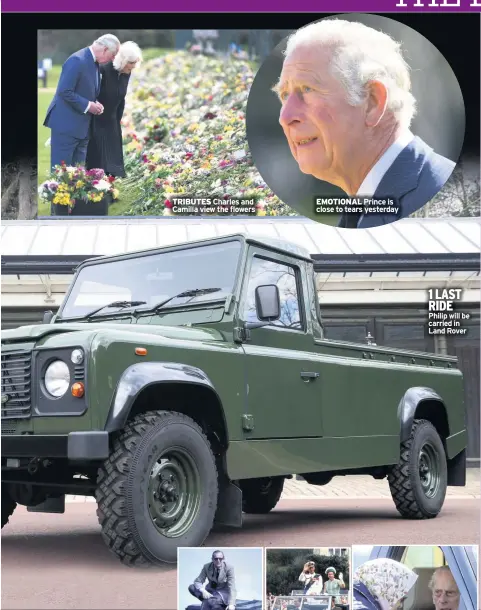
356, 121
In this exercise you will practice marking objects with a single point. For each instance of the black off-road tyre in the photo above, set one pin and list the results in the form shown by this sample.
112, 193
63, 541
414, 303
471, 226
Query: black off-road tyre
259, 496
126, 496
8, 505
417, 493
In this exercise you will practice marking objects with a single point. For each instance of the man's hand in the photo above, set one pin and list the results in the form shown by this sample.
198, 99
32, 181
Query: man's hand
95, 108
206, 594
231, 607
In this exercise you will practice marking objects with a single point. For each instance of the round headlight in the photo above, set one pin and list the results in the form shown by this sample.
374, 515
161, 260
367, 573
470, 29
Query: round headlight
57, 378
77, 356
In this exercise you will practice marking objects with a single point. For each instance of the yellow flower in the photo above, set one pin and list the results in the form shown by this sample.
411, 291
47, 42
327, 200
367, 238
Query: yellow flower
79, 184
61, 198
193, 127
115, 193
168, 189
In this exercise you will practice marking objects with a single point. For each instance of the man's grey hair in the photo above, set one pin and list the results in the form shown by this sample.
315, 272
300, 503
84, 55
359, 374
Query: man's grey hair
215, 553
109, 41
361, 54
129, 51
432, 582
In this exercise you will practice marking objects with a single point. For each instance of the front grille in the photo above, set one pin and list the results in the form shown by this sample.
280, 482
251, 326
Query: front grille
79, 372
16, 374
9, 426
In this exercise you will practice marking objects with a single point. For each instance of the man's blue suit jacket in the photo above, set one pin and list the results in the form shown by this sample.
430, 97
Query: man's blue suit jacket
78, 85
415, 177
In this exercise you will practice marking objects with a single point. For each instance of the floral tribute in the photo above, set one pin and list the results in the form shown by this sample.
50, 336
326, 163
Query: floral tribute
68, 184
185, 134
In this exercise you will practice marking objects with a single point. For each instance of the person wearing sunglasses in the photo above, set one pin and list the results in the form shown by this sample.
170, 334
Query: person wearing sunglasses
215, 585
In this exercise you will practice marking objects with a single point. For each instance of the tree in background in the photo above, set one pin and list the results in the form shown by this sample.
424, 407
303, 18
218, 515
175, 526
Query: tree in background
60, 44
19, 190
459, 197
283, 567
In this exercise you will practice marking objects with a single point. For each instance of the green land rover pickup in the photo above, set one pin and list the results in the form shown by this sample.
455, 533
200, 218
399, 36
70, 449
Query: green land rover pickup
181, 386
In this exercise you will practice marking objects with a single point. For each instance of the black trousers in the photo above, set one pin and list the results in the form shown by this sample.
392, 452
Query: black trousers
214, 603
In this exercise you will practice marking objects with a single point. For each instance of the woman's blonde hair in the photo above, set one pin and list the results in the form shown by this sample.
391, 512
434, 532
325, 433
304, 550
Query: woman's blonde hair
129, 51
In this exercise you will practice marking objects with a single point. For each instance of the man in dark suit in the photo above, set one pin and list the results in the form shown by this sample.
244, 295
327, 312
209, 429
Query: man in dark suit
413, 178
74, 102
347, 108
220, 582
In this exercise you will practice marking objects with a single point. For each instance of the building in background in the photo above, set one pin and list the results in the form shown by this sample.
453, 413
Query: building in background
372, 284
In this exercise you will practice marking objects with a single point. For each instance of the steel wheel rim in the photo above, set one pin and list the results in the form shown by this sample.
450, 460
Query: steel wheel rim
428, 469
174, 492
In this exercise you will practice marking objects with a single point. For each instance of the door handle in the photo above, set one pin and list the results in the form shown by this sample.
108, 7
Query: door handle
307, 376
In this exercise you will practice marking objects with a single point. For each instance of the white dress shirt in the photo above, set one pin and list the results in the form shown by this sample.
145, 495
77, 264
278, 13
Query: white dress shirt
376, 174
378, 170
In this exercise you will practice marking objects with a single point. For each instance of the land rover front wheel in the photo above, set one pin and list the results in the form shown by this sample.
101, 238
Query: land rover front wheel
418, 482
8, 505
259, 496
157, 490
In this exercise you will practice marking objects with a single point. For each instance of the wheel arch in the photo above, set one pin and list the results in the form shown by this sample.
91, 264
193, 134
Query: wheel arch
422, 403
175, 387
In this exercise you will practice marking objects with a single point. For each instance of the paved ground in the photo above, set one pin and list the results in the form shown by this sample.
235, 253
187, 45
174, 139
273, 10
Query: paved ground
61, 561
367, 487
355, 487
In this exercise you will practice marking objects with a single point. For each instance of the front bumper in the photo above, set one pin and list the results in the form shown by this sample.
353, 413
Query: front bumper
92, 445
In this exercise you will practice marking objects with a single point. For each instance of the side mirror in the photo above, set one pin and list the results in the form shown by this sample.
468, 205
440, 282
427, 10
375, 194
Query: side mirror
47, 317
268, 303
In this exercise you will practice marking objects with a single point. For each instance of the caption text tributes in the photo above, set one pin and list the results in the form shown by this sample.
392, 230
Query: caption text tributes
212, 205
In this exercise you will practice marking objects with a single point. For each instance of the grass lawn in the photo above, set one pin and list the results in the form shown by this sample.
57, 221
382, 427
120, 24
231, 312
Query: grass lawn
127, 194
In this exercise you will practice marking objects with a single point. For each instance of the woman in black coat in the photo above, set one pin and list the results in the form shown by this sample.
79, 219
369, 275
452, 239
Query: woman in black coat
105, 149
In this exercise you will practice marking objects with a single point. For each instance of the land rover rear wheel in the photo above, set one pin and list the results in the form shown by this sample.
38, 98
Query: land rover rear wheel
418, 482
259, 496
8, 505
157, 490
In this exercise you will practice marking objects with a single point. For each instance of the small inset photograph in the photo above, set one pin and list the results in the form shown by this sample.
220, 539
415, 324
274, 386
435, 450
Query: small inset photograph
149, 123
415, 577
220, 579
343, 121
308, 579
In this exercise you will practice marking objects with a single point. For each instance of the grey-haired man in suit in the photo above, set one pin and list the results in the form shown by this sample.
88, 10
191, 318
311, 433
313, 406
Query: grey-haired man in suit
346, 111
220, 585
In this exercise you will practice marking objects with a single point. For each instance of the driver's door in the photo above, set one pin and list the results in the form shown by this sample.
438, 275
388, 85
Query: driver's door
283, 373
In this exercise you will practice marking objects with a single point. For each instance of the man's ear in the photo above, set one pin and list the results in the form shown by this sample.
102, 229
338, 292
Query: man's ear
376, 102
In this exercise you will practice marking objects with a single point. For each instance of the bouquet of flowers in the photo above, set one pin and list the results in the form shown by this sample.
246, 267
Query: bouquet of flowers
68, 184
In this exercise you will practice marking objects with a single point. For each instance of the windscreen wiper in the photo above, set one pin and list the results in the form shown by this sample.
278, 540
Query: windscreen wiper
121, 304
187, 293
